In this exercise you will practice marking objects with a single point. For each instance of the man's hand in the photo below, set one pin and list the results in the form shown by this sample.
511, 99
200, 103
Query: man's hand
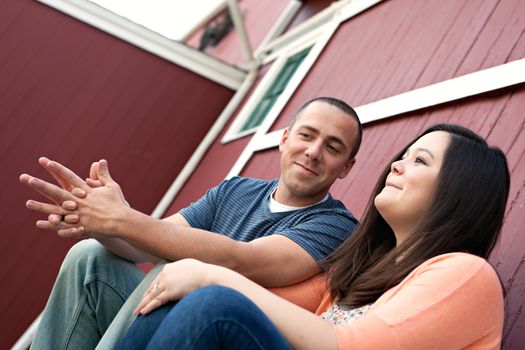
86, 208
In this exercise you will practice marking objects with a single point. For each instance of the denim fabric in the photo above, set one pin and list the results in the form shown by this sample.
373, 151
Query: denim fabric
209, 318
91, 287
125, 316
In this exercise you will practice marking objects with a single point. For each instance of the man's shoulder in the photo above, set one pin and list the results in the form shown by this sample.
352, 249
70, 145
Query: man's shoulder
330, 210
335, 206
248, 183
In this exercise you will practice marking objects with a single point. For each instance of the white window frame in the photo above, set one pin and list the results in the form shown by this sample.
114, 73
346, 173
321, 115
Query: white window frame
318, 39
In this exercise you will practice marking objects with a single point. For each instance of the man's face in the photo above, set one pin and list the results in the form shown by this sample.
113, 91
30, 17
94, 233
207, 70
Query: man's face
314, 153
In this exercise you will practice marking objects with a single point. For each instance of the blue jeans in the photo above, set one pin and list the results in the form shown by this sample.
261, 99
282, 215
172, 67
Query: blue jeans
92, 286
209, 318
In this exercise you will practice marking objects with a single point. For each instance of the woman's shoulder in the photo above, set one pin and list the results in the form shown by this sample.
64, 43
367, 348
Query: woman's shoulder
458, 263
459, 270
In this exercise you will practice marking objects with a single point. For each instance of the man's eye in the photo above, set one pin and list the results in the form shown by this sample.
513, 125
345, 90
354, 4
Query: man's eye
332, 148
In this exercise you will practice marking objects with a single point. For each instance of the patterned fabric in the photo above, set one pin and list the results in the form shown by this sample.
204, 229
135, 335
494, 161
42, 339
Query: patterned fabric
239, 209
340, 314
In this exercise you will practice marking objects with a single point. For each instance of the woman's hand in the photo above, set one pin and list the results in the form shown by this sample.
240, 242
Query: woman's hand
176, 280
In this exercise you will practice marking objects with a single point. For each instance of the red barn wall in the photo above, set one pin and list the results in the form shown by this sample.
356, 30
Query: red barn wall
76, 94
217, 161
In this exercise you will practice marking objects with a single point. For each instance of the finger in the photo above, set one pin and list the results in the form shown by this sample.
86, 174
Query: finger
103, 172
78, 192
69, 205
94, 183
151, 292
58, 170
156, 302
46, 208
143, 302
71, 218
48, 190
54, 219
46, 225
75, 232
93, 173
61, 181
24, 178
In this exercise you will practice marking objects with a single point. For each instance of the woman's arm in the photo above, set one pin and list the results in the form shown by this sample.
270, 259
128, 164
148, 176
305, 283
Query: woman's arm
301, 328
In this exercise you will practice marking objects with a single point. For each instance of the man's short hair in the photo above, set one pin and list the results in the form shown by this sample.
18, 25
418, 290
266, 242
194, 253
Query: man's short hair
343, 106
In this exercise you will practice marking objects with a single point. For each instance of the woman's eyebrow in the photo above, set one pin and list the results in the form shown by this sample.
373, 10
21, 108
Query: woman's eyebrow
426, 151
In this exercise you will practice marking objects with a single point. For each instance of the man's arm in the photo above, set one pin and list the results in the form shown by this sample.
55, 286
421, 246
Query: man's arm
272, 261
132, 253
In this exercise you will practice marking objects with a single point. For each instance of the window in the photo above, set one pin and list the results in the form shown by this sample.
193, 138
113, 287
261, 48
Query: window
274, 91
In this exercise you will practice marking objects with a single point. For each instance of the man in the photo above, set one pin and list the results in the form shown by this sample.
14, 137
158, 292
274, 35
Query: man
274, 232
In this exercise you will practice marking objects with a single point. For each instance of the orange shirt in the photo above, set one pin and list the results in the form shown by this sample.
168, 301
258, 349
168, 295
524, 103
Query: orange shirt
452, 301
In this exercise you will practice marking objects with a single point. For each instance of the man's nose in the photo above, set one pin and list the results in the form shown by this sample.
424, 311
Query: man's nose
314, 150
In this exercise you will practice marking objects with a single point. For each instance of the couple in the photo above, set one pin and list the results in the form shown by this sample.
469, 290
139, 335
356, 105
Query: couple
412, 275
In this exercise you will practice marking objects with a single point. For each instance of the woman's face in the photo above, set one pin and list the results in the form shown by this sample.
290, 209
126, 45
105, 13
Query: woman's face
411, 182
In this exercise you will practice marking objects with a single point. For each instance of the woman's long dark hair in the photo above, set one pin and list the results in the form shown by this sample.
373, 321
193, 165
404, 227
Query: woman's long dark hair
465, 215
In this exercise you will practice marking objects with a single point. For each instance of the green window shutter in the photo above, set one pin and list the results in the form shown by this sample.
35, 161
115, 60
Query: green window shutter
274, 91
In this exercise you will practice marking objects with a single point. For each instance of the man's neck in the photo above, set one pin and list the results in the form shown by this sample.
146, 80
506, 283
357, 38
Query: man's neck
291, 200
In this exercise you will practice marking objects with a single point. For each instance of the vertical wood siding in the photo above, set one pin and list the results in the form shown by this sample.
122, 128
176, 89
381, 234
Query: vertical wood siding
76, 94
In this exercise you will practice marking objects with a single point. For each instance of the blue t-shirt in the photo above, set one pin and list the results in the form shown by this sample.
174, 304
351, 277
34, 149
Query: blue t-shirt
239, 209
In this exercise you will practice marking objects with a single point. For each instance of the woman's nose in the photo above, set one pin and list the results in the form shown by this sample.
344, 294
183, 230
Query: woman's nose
397, 167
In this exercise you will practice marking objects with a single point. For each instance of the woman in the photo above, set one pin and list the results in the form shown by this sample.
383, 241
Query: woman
412, 276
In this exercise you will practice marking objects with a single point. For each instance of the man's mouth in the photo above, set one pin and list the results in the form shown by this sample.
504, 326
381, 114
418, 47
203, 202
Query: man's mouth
306, 168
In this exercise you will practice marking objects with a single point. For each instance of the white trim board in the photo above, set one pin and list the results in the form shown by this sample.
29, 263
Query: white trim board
338, 12
172, 51
472, 84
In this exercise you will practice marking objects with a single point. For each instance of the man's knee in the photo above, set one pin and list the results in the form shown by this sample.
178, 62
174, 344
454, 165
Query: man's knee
91, 256
85, 250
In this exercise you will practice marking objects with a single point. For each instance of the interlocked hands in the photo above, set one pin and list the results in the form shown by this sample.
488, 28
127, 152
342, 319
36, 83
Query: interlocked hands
80, 208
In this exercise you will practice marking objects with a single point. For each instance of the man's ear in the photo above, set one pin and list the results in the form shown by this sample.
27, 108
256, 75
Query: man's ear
284, 138
348, 166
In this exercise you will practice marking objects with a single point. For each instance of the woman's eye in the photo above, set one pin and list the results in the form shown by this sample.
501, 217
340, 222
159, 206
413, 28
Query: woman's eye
420, 161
